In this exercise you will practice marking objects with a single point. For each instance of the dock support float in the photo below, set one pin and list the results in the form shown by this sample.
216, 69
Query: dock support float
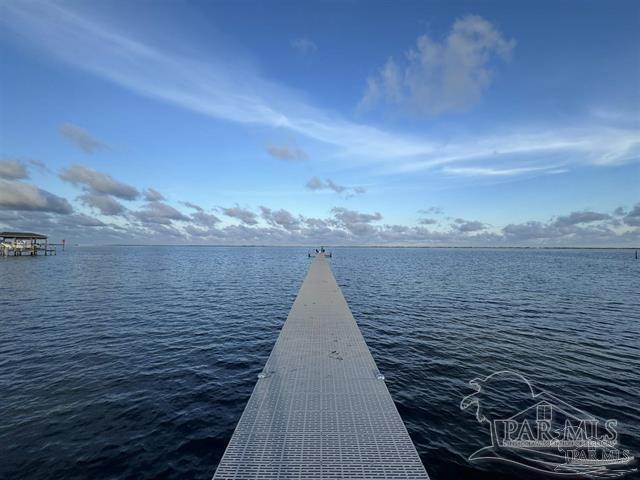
320, 408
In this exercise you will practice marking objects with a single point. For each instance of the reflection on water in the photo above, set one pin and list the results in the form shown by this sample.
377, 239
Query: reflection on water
137, 362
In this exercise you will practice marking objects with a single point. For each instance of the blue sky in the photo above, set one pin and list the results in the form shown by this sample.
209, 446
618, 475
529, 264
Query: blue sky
414, 123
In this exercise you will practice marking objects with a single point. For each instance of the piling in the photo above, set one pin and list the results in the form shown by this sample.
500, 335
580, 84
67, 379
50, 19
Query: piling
19, 243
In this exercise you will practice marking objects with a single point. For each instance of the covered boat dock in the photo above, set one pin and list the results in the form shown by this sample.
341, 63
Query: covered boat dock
24, 243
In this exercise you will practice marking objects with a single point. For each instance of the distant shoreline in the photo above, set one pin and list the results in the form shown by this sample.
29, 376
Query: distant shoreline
366, 246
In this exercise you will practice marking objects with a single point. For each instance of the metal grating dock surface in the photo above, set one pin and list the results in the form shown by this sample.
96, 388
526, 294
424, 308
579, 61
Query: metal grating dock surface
320, 410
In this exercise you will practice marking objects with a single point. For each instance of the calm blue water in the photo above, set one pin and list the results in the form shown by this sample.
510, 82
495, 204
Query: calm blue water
137, 362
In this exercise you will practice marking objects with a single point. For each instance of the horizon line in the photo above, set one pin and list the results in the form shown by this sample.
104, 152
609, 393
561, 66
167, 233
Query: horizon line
486, 247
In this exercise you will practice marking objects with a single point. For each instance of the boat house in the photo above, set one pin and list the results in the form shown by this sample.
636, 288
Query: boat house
24, 243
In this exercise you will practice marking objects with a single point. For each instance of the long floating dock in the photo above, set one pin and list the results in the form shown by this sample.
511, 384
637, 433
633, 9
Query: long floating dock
320, 408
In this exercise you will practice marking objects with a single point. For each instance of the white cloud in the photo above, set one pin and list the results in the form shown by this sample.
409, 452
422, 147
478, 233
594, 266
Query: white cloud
316, 183
26, 207
204, 219
280, 218
498, 172
13, 169
432, 210
239, 94
448, 76
159, 213
81, 138
356, 223
193, 206
104, 203
286, 152
151, 195
26, 197
595, 146
576, 218
80, 220
39, 165
468, 226
247, 217
98, 182
633, 217
303, 45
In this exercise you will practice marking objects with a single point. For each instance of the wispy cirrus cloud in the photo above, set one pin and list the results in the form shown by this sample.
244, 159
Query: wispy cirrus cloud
240, 94
490, 171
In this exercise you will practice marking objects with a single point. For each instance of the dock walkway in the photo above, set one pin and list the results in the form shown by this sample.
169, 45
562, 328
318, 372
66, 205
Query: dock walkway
320, 408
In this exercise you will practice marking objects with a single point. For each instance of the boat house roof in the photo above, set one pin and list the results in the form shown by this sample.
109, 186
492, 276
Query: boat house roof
23, 235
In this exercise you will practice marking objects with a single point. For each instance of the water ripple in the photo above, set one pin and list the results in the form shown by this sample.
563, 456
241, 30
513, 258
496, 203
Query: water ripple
137, 362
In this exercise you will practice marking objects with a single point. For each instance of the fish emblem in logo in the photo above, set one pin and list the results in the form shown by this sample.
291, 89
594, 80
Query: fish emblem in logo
536, 430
